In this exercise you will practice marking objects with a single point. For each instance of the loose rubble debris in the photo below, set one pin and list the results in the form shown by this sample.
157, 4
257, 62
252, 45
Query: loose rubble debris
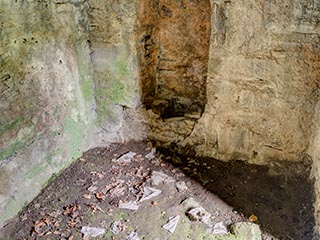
149, 193
133, 236
151, 155
160, 177
172, 224
125, 158
92, 231
117, 227
181, 186
92, 189
199, 214
116, 189
128, 178
219, 228
132, 205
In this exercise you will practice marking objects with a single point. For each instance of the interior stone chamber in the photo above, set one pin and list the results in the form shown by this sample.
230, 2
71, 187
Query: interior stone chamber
236, 81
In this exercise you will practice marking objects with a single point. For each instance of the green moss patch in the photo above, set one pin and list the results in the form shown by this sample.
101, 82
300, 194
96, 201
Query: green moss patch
14, 123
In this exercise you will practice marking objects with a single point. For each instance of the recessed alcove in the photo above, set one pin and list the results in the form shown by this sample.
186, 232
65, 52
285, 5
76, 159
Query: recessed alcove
173, 50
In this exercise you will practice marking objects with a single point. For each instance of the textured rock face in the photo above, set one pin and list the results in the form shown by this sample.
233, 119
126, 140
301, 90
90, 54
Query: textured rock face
113, 26
173, 44
51, 107
227, 79
262, 85
263, 81
46, 96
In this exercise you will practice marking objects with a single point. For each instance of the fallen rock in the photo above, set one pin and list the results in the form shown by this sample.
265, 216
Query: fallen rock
151, 155
190, 203
92, 189
133, 236
92, 231
181, 186
219, 228
125, 158
246, 231
199, 214
116, 227
132, 205
172, 224
149, 193
160, 177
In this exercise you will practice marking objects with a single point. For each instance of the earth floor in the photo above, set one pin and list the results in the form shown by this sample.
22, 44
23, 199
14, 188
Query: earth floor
130, 192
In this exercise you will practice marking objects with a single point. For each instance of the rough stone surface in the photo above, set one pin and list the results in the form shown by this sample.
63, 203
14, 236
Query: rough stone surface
46, 96
262, 84
314, 151
226, 79
262, 80
52, 108
261, 94
173, 44
114, 57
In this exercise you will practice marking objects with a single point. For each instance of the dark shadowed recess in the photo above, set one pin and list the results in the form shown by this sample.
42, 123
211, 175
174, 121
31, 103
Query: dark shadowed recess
281, 198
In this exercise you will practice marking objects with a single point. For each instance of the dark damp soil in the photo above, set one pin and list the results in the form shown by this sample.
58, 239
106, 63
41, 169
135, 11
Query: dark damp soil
281, 198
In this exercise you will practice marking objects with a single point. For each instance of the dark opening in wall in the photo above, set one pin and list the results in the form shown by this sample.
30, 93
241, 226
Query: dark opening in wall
173, 45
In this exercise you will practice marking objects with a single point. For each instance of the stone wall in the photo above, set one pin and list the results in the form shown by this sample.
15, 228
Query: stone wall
262, 85
225, 79
113, 27
52, 108
47, 101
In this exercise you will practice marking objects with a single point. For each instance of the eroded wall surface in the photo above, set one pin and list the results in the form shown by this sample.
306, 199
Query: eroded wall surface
173, 45
262, 85
47, 117
54, 104
113, 27
263, 81
259, 82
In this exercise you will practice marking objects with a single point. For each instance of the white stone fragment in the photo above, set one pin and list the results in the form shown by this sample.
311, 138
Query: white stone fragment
190, 203
125, 158
116, 227
219, 229
181, 186
172, 224
151, 155
132, 205
149, 193
92, 189
92, 231
246, 230
199, 214
133, 236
